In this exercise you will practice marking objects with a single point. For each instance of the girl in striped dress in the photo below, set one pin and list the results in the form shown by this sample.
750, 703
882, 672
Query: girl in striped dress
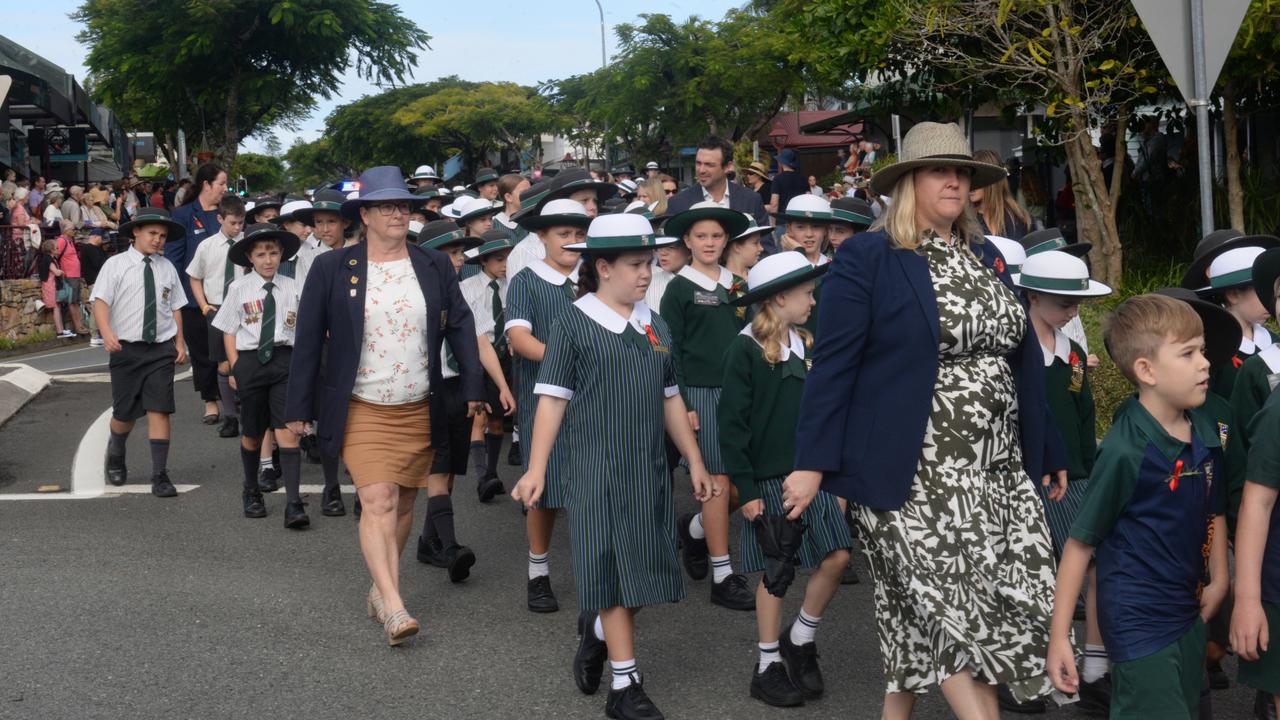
536, 297
764, 374
609, 381
696, 306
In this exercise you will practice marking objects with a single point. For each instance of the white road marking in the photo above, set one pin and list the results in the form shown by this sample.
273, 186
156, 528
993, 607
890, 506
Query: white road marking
317, 489
26, 378
88, 470
114, 492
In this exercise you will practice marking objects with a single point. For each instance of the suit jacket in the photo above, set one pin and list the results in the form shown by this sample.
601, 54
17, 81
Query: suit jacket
333, 307
741, 198
868, 397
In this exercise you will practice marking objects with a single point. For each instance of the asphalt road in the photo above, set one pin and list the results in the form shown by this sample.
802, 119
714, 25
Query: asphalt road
136, 607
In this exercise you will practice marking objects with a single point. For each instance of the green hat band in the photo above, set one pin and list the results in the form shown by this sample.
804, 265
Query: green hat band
493, 246
143, 219
1013, 268
445, 239
327, 206
487, 177
619, 241
850, 216
1043, 283
1231, 278
1054, 244
529, 202
808, 215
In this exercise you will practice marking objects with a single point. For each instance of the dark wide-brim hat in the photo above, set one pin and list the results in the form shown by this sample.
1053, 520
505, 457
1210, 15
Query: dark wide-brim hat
574, 180
492, 241
852, 211
930, 144
1052, 239
734, 222
154, 216
778, 273
258, 232
531, 197
260, 204
1222, 331
324, 201
484, 175
1214, 244
384, 183
1266, 268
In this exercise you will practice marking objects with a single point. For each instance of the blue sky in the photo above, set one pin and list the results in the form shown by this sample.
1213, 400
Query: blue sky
521, 41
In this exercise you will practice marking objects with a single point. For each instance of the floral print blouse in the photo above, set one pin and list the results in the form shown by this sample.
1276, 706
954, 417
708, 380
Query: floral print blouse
394, 358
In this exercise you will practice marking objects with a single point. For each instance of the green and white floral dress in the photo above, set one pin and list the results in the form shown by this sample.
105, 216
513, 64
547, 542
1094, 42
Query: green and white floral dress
964, 571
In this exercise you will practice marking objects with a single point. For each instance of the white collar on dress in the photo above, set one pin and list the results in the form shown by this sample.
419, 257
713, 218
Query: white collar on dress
797, 343
822, 260
704, 282
1261, 340
506, 221
550, 274
609, 319
1061, 349
1271, 356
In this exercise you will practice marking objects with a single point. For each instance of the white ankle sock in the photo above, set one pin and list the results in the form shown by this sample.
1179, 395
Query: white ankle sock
804, 628
721, 568
538, 565
599, 629
1096, 663
768, 656
266, 463
696, 531
623, 670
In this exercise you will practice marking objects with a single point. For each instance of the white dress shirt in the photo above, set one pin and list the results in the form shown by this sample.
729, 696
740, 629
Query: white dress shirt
242, 312
122, 286
209, 266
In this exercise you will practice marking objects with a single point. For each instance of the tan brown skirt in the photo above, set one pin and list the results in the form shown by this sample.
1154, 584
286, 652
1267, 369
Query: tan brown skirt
388, 443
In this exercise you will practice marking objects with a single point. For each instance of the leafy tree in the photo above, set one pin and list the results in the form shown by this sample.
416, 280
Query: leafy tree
262, 172
310, 164
225, 70
365, 133
1248, 85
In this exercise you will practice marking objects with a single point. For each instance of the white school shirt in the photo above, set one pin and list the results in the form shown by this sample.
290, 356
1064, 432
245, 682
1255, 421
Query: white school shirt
394, 356
479, 297
658, 286
121, 285
311, 249
209, 265
241, 313
525, 253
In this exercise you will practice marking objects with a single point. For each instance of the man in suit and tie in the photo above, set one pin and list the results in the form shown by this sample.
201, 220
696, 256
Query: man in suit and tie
712, 165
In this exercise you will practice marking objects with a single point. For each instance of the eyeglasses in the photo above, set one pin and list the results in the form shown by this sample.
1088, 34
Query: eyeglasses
389, 209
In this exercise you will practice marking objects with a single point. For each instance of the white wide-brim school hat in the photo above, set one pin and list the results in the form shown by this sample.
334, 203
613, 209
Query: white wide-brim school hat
752, 229
807, 207
1054, 272
290, 211
425, 172
1233, 268
473, 208
556, 213
620, 232
778, 273
1015, 256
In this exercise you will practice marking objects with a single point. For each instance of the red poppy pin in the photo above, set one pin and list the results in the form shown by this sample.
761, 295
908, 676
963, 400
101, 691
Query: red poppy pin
1177, 472
1073, 359
653, 337
999, 265
1236, 361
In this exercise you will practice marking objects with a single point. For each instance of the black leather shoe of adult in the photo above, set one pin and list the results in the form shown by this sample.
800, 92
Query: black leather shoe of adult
489, 488
229, 428
253, 505
631, 703
693, 553
774, 686
267, 478
295, 516
732, 593
541, 598
513, 455
161, 486
1095, 697
431, 552
588, 663
331, 504
1009, 704
117, 471
459, 559
802, 665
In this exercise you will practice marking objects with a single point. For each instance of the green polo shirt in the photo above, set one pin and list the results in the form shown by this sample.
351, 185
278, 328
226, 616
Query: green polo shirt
1253, 385
1231, 436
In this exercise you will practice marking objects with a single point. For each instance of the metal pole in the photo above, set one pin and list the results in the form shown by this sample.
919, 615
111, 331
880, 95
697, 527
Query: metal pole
1201, 105
604, 62
182, 154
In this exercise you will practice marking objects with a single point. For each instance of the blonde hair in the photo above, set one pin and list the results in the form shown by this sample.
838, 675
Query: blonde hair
1139, 326
657, 196
771, 331
997, 199
900, 221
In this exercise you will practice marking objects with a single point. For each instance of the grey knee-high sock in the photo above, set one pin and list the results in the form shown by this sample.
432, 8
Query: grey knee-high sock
440, 515
330, 467
249, 459
159, 456
228, 396
115, 446
493, 448
291, 473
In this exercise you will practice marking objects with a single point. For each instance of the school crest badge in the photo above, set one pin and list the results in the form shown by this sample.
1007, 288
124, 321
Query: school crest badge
290, 319
1224, 432
1077, 372
164, 294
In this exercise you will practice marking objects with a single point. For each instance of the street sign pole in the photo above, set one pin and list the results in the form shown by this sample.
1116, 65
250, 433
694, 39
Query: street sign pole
1201, 104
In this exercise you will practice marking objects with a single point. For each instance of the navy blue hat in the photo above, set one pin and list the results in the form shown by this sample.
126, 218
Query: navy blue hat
379, 184
789, 158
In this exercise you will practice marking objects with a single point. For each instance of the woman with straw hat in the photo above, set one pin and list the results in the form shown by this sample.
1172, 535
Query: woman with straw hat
924, 380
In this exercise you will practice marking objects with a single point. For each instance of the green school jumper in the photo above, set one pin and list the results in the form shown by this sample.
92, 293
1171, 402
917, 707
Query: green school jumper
1264, 469
1223, 379
1257, 377
1066, 380
616, 374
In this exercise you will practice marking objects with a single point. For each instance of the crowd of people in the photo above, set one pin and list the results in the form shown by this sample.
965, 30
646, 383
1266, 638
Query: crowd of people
900, 368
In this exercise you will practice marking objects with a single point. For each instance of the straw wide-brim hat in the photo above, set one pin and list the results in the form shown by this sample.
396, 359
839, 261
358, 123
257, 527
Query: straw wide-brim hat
931, 144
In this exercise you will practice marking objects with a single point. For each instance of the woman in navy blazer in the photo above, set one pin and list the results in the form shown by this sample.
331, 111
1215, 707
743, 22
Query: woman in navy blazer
384, 306
952, 526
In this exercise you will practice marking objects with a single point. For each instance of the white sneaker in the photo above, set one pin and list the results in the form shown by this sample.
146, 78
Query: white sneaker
95, 342
66, 334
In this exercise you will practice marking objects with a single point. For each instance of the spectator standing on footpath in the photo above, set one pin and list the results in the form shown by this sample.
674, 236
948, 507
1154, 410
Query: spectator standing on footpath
69, 262
713, 162
786, 184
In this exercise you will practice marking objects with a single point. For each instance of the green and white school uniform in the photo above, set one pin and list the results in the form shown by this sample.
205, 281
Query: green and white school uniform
616, 373
1256, 379
1224, 380
703, 324
536, 297
1066, 380
758, 410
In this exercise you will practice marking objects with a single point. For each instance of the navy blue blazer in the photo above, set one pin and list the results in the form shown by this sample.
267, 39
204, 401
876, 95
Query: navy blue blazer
868, 397
741, 198
333, 306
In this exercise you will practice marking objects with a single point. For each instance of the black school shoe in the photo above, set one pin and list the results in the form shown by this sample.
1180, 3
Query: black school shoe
161, 485
431, 552
267, 480
229, 428
693, 553
850, 576
631, 703
513, 455
774, 686
295, 516
1218, 679
117, 471
1009, 704
541, 597
732, 593
489, 488
588, 662
1095, 697
802, 665
254, 507
331, 503
459, 559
